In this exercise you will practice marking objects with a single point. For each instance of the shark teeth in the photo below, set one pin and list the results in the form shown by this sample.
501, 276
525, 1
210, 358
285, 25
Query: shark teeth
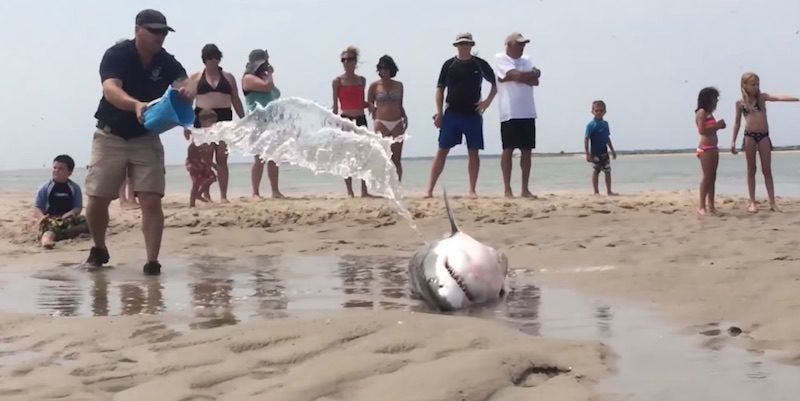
459, 281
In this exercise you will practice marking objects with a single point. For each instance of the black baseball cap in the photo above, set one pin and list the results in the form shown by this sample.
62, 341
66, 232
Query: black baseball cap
152, 19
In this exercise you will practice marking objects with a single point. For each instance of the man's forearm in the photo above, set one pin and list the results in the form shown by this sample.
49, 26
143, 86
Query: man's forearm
492, 93
439, 100
119, 98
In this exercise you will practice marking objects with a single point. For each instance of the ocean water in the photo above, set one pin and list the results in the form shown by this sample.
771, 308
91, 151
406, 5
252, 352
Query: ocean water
630, 174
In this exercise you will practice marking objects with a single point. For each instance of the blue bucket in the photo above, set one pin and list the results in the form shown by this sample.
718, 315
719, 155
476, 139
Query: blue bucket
170, 111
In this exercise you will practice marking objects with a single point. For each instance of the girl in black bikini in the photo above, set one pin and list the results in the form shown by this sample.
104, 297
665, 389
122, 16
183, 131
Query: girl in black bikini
753, 106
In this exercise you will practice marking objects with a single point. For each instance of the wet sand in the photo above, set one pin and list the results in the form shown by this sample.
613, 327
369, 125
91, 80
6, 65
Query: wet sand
701, 276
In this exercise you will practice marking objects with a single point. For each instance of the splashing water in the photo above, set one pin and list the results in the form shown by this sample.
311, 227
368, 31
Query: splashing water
303, 133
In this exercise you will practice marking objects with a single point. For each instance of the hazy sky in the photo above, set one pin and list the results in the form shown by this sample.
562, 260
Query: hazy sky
646, 59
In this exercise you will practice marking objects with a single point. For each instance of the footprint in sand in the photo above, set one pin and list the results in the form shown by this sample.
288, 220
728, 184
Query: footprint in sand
400, 348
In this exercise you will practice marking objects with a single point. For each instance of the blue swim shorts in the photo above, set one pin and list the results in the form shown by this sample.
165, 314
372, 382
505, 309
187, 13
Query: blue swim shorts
455, 124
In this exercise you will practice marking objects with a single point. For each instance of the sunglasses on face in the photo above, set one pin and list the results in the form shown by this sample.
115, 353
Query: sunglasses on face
346, 59
158, 31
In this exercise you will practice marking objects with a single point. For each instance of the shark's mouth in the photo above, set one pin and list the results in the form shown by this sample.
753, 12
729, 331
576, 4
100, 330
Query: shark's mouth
459, 281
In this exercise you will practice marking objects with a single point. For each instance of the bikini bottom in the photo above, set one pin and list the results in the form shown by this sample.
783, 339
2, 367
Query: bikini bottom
390, 125
757, 136
706, 148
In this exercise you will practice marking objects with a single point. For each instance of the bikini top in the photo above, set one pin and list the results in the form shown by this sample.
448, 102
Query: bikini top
351, 97
710, 121
747, 109
223, 86
393, 95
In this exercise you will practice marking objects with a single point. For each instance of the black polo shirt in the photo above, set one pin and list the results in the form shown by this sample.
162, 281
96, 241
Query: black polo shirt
122, 62
463, 79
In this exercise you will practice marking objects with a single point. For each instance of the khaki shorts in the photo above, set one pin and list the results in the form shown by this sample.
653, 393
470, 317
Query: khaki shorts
142, 158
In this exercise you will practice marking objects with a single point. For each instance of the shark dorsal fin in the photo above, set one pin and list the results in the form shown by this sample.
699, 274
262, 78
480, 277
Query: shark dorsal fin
453, 225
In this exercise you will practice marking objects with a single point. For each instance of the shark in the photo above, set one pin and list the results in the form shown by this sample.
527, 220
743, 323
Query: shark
458, 271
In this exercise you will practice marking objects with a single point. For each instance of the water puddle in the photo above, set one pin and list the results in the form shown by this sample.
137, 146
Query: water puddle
653, 361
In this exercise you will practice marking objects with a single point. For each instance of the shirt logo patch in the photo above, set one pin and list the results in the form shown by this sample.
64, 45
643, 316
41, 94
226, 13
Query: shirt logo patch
155, 74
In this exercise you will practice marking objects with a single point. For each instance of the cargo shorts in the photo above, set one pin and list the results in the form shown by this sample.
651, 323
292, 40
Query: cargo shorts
113, 158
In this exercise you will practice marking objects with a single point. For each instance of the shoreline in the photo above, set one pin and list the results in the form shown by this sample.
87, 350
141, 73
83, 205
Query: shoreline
653, 249
635, 152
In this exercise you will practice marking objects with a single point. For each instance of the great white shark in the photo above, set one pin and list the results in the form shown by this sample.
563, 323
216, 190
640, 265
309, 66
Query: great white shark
458, 271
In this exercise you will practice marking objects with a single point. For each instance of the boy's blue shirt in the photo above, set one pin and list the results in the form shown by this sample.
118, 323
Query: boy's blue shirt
598, 133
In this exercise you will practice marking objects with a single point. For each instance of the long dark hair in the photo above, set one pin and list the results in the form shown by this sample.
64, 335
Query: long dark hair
706, 98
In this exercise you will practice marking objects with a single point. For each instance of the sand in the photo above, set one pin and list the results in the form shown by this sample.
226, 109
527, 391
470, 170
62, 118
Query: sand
648, 249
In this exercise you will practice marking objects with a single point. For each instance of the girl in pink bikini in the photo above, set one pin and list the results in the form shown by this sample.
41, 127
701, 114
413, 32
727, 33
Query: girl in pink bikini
707, 150
753, 106
385, 102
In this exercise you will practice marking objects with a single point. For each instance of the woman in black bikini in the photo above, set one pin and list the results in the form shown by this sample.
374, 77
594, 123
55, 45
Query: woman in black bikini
753, 106
217, 90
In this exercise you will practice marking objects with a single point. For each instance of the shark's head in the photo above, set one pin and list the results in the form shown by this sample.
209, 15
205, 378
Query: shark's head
468, 272
458, 271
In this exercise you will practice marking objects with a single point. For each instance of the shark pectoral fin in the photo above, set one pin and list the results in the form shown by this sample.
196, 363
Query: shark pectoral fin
421, 270
502, 261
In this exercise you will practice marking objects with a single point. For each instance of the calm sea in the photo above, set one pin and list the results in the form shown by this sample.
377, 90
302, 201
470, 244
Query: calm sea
630, 173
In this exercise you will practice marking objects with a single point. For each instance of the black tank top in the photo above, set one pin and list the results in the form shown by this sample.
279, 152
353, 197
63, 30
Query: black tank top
223, 86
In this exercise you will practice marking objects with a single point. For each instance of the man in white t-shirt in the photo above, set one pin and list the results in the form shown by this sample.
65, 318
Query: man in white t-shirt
516, 78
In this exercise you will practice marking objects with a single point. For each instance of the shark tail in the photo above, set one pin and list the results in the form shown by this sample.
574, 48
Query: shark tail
453, 225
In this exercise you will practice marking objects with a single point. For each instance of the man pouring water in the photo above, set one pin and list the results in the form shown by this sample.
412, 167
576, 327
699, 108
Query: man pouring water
133, 73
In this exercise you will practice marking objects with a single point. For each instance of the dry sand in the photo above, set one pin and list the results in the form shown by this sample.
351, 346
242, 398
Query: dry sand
649, 248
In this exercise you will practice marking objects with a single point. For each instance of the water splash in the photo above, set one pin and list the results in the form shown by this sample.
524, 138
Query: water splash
303, 133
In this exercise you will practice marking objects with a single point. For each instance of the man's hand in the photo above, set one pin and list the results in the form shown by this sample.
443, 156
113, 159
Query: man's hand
614, 154
437, 120
185, 93
139, 110
481, 106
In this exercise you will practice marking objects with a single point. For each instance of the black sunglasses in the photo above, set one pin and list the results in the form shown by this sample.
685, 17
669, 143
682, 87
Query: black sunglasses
158, 31
344, 59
